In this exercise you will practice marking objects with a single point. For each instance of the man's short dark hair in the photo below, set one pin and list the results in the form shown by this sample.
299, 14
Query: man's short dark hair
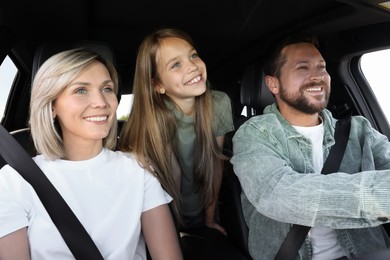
274, 60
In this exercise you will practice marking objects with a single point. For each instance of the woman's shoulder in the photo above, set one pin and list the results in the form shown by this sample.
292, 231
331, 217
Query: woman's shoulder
127, 162
11, 182
123, 156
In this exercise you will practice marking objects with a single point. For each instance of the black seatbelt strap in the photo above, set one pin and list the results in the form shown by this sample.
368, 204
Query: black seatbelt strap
72, 231
297, 234
336, 153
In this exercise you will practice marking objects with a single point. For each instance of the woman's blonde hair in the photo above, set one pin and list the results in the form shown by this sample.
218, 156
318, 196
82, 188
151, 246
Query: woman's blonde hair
52, 78
151, 127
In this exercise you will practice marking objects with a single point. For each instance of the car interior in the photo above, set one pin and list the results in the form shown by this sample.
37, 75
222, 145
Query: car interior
232, 37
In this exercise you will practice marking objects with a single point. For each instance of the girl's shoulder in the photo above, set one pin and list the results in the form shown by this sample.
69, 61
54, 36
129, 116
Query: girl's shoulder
222, 113
218, 96
220, 101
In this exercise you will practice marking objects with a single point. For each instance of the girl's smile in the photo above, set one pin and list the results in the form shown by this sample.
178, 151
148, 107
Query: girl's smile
182, 74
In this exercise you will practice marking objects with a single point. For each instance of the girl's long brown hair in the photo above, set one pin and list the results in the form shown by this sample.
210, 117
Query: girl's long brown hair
151, 126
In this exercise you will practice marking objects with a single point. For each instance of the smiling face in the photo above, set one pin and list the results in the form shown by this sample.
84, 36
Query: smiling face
304, 83
181, 72
86, 108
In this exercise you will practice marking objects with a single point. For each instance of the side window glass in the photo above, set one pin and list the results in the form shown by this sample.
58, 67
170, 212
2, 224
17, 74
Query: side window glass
8, 73
375, 67
124, 107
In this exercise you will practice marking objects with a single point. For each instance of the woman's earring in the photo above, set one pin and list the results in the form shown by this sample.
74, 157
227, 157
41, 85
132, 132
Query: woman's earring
162, 91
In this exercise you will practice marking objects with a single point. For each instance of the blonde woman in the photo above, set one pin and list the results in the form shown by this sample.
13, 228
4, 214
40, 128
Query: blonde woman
73, 125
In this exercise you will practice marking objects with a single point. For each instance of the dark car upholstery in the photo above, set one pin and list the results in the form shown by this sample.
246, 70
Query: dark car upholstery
255, 95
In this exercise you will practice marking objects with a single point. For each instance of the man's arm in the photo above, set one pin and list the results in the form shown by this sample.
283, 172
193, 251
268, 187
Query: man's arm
271, 170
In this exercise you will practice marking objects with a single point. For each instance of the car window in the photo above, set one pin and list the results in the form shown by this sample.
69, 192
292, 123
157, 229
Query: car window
124, 107
375, 67
8, 73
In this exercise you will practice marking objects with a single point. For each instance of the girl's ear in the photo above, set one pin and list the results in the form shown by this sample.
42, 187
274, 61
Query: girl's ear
161, 90
272, 83
158, 87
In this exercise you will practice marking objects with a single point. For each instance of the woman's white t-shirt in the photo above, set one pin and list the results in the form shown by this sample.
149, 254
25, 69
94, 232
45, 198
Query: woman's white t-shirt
107, 193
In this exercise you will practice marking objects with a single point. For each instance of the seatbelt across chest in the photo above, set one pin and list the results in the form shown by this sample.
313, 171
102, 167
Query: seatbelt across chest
72, 231
297, 234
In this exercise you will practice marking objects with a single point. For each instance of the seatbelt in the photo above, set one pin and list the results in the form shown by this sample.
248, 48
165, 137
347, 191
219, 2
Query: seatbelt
76, 237
297, 234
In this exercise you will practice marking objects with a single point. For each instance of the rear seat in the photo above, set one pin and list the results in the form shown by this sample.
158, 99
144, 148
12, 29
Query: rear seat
255, 96
45, 51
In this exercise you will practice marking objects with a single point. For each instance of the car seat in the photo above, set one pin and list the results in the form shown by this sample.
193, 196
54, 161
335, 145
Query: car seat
45, 51
255, 96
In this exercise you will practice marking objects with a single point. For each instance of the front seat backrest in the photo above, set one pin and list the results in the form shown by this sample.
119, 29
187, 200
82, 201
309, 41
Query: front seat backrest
255, 94
46, 50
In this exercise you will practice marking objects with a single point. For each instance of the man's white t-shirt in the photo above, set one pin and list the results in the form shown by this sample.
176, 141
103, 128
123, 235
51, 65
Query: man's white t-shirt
323, 240
107, 193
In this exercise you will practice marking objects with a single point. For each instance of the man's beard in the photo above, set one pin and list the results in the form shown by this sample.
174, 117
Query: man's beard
300, 102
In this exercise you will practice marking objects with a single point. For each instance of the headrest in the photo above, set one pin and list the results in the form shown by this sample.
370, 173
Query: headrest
254, 92
46, 50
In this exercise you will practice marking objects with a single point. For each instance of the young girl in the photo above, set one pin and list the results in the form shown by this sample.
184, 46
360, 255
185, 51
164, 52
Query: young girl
176, 127
73, 125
